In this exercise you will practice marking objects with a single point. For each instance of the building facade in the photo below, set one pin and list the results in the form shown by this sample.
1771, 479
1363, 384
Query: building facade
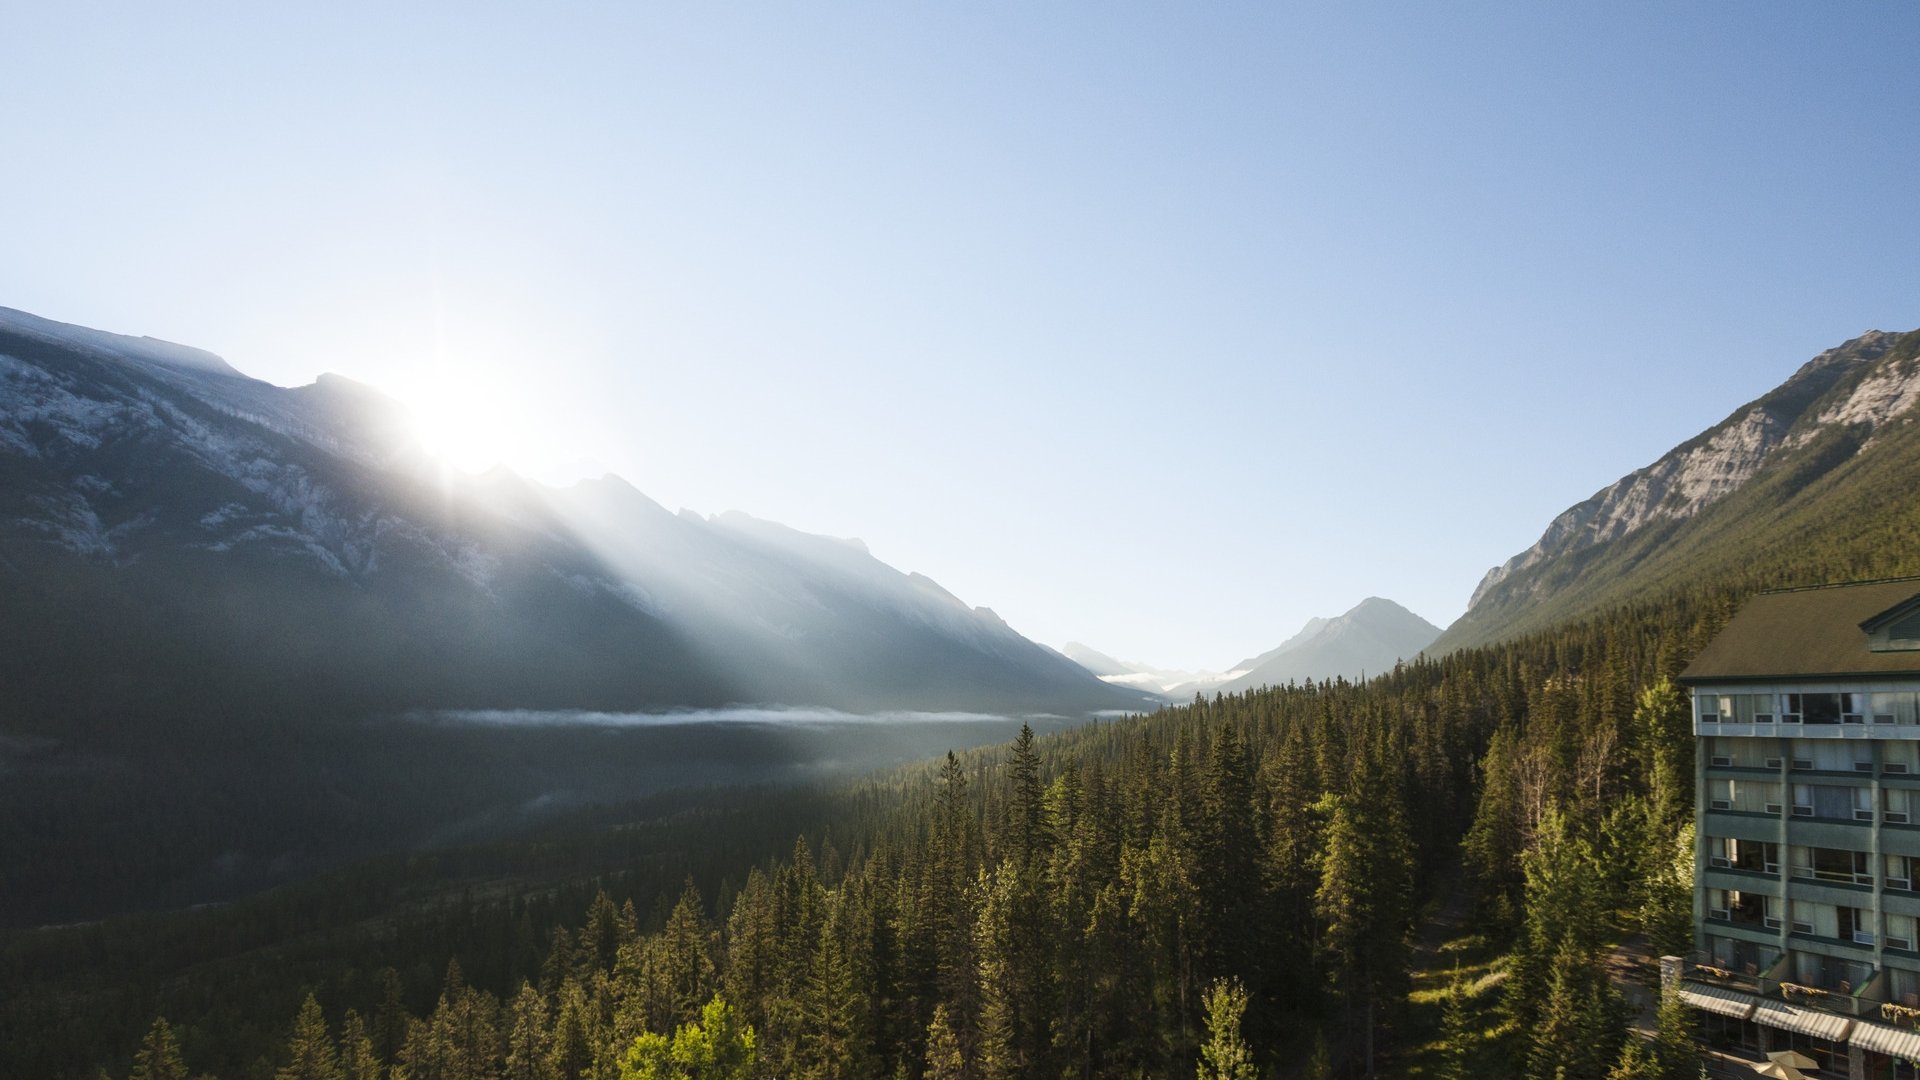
1806, 713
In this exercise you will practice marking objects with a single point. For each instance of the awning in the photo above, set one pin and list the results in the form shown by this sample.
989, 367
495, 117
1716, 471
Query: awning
1883, 1039
1820, 1025
1718, 999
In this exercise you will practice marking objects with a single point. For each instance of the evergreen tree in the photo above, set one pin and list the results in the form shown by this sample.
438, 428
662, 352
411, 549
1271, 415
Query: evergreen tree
1663, 721
832, 1043
571, 1051
1457, 1040
1026, 821
1635, 1062
159, 1055
1225, 1055
357, 1058
390, 1021
1580, 1026
529, 1050
944, 1060
310, 1053
688, 968
1674, 1054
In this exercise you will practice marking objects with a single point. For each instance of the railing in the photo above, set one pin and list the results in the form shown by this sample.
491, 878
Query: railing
1701, 967
1863, 997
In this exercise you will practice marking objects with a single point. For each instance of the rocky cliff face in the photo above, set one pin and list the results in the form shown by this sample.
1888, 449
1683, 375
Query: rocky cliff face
1838, 414
1857, 384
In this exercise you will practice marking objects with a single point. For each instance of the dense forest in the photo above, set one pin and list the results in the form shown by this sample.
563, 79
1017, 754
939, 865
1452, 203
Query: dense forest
1235, 881
1231, 886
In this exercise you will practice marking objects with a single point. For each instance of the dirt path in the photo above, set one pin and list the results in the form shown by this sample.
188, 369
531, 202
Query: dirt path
1446, 921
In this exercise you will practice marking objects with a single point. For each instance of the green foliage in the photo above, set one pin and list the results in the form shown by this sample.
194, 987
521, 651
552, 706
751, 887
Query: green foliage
1056, 907
717, 1046
311, 1054
1456, 1035
1673, 1052
1225, 1055
159, 1056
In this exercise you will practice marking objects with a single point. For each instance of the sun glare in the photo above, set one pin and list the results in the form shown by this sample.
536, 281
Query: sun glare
466, 431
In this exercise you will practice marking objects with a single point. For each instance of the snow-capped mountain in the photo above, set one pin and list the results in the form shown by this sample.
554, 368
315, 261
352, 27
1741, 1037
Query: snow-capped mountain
172, 531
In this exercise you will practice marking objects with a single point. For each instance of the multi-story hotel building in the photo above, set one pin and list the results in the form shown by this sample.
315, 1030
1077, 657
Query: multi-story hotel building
1806, 713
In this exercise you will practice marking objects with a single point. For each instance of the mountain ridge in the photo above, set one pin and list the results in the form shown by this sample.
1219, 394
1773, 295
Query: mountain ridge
134, 464
1766, 462
1367, 639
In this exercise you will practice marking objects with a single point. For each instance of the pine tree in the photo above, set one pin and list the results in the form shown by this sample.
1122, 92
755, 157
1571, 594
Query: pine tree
1663, 723
159, 1055
999, 1052
752, 949
1580, 1026
600, 938
570, 1053
391, 1020
529, 1050
310, 1052
1225, 1055
1026, 821
688, 966
357, 1058
1635, 1062
1674, 1053
944, 1060
832, 1041
1456, 1035
1666, 909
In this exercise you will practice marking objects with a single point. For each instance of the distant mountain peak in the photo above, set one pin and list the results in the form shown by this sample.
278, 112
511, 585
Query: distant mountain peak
1367, 639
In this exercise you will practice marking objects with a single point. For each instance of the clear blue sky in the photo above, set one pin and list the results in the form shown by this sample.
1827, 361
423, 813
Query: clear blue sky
1162, 328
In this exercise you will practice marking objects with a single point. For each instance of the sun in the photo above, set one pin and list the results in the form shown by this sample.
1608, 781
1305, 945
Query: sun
464, 428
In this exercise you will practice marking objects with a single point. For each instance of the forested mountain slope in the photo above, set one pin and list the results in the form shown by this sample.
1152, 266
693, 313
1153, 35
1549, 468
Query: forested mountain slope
1057, 907
1818, 480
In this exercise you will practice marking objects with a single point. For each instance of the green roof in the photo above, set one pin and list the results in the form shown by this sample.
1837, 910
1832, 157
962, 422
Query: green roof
1808, 633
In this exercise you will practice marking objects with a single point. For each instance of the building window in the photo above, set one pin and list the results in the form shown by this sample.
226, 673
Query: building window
1832, 864
1743, 796
1752, 856
1899, 931
1832, 755
1899, 873
1830, 973
1895, 707
1734, 708
1899, 757
1833, 803
1897, 805
1741, 957
1724, 752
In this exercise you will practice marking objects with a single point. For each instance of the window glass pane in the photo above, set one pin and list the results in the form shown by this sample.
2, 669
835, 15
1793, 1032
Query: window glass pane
1901, 706
1819, 708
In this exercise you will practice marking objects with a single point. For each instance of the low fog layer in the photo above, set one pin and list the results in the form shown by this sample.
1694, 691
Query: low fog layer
759, 714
